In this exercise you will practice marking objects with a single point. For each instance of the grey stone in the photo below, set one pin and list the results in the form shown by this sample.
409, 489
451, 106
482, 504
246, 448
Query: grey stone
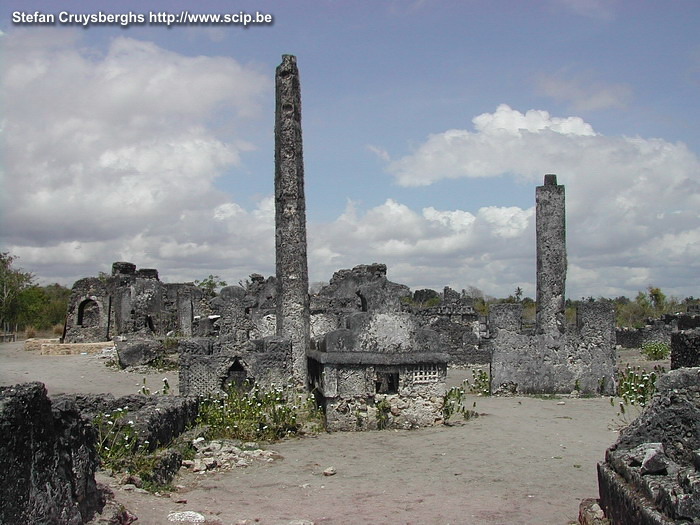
293, 317
138, 352
48, 459
553, 359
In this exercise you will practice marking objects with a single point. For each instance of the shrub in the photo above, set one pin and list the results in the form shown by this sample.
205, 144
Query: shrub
29, 332
655, 350
253, 414
454, 403
636, 386
481, 385
57, 329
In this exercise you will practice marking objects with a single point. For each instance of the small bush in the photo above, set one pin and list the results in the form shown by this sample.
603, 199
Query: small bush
481, 383
383, 412
637, 386
29, 332
454, 403
57, 329
252, 414
656, 350
116, 438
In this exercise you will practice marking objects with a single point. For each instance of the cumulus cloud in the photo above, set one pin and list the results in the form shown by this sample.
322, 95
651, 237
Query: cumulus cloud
114, 155
631, 202
430, 248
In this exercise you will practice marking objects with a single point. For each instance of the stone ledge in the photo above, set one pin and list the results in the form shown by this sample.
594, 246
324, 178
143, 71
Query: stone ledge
34, 343
75, 348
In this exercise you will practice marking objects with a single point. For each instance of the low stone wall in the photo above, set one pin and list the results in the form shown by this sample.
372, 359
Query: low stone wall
158, 419
582, 359
34, 344
685, 349
75, 348
48, 459
635, 338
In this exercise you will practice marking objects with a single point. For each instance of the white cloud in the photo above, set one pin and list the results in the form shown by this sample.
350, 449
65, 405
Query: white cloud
631, 202
114, 156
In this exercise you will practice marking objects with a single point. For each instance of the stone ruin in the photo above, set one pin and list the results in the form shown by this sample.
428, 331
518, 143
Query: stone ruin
271, 330
657, 330
651, 475
553, 359
380, 370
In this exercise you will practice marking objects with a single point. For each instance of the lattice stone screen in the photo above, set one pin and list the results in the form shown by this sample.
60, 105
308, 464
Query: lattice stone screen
425, 374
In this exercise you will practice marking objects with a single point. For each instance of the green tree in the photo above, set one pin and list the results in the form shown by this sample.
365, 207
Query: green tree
657, 299
211, 284
12, 282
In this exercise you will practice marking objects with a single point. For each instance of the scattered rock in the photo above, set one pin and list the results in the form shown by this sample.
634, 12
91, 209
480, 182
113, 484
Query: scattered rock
187, 516
654, 461
330, 471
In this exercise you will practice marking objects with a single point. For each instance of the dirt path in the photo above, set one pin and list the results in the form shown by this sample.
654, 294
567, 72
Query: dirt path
523, 461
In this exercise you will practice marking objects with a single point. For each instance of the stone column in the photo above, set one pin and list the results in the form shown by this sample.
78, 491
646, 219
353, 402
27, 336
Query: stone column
551, 257
290, 218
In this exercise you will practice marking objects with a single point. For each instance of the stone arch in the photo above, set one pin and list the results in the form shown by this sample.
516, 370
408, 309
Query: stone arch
236, 376
88, 313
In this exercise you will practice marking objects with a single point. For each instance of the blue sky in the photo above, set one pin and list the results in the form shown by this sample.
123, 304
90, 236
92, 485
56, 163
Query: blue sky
427, 126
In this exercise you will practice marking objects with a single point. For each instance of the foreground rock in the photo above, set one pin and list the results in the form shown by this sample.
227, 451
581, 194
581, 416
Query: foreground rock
48, 459
650, 476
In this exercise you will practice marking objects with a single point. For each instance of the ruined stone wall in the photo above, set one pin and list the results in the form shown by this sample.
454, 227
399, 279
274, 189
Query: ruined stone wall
582, 360
552, 360
650, 475
209, 365
685, 348
88, 315
48, 459
127, 302
352, 404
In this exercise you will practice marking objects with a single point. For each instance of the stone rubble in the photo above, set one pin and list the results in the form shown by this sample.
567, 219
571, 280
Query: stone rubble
227, 455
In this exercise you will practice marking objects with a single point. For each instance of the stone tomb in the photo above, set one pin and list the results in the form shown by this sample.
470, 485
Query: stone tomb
381, 371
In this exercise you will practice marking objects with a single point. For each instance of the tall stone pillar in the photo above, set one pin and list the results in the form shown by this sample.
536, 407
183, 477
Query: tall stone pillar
290, 218
551, 257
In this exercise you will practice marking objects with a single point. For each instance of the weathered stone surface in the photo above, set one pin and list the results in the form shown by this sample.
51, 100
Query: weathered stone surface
552, 360
290, 217
48, 459
157, 419
76, 348
364, 288
135, 352
209, 365
34, 344
685, 348
551, 256
130, 301
382, 371
650, 474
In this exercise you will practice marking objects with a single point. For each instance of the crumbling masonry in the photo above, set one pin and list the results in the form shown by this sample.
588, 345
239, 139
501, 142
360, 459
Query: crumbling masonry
553, 360
290, 217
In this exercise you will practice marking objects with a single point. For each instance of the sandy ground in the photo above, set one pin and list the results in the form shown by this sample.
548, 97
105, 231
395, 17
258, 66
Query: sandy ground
523, 461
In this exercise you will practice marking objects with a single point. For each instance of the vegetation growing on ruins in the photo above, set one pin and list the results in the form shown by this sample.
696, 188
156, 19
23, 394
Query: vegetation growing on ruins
253, 414
656, 350
481, 383
210, 284
454, 403
636, 386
